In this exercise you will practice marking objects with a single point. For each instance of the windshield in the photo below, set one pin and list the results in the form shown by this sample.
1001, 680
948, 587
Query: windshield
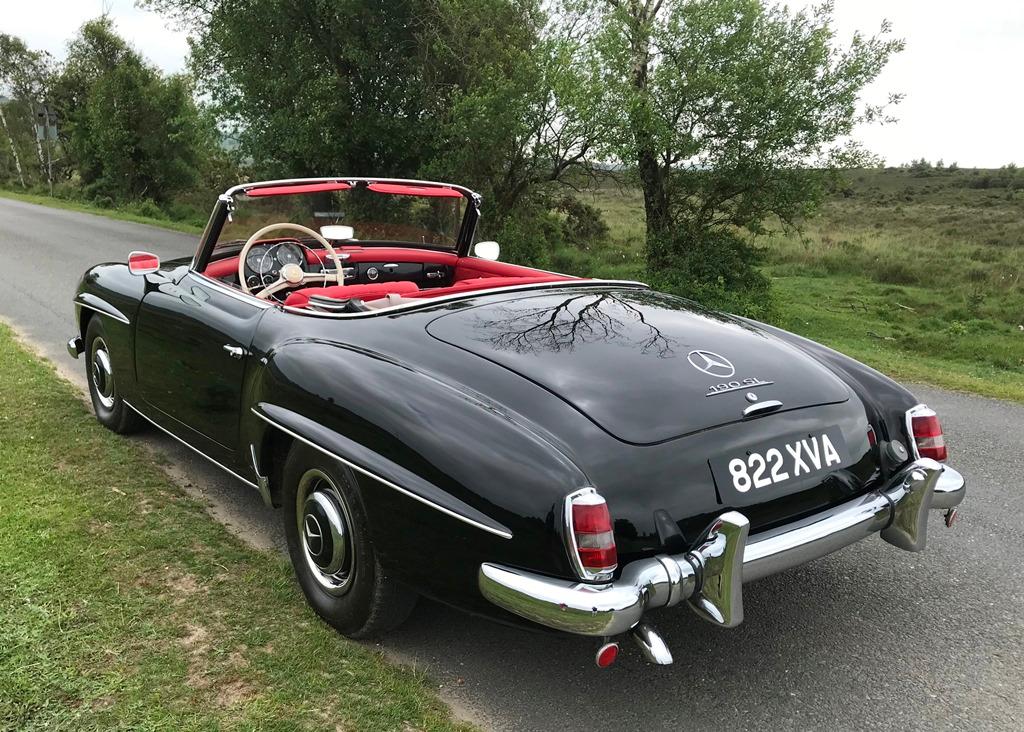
378, 214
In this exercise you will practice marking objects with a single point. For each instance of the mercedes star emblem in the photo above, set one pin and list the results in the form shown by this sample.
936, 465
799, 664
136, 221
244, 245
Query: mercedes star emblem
711, 363
314, 535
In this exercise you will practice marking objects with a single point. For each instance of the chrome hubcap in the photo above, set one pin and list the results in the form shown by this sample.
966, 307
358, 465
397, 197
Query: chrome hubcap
323, 525
102, 374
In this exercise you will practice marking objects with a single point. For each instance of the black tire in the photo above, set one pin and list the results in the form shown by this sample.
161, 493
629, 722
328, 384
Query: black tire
359, 599
100, 373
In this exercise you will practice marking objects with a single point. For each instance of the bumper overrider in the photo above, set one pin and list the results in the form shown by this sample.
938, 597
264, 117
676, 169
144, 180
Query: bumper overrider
710, 576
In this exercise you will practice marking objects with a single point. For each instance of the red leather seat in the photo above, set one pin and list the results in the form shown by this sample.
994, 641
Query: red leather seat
300, 298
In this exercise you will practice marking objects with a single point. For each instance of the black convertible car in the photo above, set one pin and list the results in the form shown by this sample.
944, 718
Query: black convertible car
542, 449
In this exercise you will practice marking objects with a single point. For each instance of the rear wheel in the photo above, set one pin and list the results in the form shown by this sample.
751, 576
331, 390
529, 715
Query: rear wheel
331, 551
110, 408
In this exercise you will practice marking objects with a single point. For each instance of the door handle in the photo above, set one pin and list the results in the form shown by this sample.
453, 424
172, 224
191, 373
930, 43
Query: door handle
234, 351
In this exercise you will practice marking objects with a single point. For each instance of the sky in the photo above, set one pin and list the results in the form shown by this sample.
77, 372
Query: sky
961, 71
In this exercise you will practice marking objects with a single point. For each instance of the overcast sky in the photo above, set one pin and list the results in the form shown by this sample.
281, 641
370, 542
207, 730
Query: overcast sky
961, 71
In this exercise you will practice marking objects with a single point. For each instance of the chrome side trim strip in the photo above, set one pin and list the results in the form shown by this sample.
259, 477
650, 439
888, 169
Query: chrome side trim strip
385, 481
116, 314
262, 481
190, 447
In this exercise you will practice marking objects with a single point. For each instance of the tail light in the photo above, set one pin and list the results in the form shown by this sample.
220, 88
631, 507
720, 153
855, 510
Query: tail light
927, 433
589, 536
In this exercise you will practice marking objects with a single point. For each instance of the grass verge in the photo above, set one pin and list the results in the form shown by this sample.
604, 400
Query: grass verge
124, 606
111, 213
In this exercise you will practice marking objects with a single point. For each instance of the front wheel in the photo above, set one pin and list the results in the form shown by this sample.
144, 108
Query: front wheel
107, 402
330, 548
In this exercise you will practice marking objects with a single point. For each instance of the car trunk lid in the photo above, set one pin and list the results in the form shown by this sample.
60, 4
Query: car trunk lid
644, 366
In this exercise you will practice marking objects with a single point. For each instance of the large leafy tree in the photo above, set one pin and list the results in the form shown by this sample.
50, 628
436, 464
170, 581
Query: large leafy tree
732, 112
470, 90
513, 115
131, 132
314, 86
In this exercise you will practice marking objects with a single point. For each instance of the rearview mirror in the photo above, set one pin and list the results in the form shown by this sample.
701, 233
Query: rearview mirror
142, 263
487, 250
337, 232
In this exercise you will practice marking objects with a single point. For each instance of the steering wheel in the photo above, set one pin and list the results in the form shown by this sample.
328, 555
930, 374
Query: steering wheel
291, 274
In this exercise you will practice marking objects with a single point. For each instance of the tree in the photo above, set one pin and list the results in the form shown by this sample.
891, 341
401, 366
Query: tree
24, 76
314, 87
732, 112
512, 113
479, 91
131, 132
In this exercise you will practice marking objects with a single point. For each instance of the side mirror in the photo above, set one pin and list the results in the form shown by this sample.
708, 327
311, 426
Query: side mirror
143, 263
487, 250
336, 232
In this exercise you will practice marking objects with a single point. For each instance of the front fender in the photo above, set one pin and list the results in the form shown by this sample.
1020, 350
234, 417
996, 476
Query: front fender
111, 292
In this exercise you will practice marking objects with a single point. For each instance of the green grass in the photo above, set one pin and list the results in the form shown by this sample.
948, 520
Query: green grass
120, 213
921, 277
123, 605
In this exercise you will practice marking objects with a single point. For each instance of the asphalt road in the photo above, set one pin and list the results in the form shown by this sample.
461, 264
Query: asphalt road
870, 637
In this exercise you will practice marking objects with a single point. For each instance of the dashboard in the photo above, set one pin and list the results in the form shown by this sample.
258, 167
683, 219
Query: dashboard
264, 261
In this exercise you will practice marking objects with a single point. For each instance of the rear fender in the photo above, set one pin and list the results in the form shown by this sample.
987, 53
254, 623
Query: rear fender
448, 477
885, 401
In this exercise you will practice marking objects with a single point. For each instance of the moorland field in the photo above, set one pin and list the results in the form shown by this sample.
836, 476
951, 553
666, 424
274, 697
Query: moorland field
917, 271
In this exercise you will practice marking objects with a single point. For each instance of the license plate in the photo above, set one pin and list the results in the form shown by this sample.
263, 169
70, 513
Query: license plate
765, 470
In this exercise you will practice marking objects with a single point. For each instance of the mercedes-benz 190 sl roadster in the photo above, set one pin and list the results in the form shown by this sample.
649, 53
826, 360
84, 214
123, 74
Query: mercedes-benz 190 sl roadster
548, 450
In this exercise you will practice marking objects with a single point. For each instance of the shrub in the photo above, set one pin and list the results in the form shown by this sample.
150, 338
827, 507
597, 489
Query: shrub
149, 209
894, 272
583, 226
528, 237
717, 269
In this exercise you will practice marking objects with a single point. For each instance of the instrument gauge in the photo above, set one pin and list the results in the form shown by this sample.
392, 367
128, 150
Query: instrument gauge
259, 261
289, 254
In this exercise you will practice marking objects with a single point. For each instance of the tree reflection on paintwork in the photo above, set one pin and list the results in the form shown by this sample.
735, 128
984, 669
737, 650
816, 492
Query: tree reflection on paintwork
607, 317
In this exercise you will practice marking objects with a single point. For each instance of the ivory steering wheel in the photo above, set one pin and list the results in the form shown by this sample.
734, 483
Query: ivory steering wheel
291, 274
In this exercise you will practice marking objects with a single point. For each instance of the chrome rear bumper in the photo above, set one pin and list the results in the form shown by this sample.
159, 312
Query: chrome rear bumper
711, 575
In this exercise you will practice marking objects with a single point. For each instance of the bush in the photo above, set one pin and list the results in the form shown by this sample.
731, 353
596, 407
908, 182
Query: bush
717, 269
528, 237
583, 226
149, 209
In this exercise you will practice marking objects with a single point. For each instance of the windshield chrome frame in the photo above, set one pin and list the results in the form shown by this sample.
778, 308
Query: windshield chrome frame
225, 203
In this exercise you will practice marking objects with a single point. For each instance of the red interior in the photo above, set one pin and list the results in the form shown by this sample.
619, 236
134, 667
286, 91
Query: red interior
471, 273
